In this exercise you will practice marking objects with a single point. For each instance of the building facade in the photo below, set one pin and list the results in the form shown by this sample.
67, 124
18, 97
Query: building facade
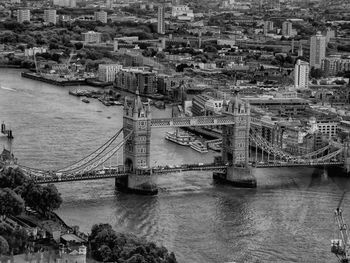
23, 15
317, 50
108, 72
133, 79
287, 29
50, 16
92, 37
301, 75
161, 22
331, 66
101, 16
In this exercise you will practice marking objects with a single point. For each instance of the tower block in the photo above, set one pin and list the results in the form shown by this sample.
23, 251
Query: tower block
137, 119
235, 146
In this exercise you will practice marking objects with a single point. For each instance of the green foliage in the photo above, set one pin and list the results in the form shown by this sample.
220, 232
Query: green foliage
4, 246
12, 177
316, 73
107, 246
42, 198
17, 239
11, 204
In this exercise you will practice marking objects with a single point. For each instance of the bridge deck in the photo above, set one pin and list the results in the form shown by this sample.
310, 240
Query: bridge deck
192, 121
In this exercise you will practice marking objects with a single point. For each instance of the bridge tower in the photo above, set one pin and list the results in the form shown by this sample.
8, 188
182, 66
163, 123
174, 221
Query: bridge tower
137, 119
235, 145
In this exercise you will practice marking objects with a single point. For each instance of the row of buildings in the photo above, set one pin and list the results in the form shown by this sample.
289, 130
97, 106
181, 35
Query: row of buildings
50, 16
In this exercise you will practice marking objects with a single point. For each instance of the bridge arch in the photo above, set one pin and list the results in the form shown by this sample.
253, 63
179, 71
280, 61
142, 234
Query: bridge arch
129, 165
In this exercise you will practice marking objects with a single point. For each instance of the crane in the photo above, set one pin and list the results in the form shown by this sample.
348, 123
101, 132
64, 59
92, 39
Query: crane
340, 247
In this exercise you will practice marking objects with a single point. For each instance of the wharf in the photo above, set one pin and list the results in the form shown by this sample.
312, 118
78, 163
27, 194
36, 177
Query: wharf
63, 82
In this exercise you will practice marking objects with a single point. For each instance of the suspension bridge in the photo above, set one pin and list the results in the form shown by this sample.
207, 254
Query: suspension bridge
243, 146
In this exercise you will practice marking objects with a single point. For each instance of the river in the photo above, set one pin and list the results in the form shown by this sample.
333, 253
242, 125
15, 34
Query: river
288, 218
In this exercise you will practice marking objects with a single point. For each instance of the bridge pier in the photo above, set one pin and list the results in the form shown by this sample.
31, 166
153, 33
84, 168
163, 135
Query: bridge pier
235, 147
236, 176
142, 184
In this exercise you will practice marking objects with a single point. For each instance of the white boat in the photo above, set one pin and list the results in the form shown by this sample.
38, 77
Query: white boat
198, 146
178, 137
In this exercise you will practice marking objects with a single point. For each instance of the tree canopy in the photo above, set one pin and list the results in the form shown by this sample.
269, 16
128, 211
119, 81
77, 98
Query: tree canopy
107, 246
11, 204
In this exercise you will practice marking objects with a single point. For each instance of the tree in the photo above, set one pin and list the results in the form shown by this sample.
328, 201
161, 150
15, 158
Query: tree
10, 203
12, 177
4, 246
107, 246
42, 198
316, 73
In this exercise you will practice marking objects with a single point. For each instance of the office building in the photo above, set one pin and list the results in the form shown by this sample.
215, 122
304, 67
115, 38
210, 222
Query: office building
23, 15
301, 75
50, 16
108, 72
317, 50
101, 16
287, 29
161, 23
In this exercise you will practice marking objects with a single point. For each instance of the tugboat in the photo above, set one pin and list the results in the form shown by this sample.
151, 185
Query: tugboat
85, 100
178, 137
198, 146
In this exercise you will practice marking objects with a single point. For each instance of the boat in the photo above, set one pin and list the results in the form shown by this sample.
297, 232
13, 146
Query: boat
85, 100
118, 103
182, 138
198, 146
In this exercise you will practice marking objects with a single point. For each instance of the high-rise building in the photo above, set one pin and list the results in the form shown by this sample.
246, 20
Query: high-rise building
268, 26
301, 75
50, 16
23, 15
317, 50
161, 22
287, 29
101, 16
300, 50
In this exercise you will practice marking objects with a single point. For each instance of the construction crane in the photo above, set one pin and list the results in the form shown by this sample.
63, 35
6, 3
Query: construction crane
340, 246
70, 58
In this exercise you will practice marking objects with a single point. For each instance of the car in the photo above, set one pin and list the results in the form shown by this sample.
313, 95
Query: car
200, 164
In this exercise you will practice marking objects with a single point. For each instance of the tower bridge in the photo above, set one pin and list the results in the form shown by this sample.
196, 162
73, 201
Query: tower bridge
133, 172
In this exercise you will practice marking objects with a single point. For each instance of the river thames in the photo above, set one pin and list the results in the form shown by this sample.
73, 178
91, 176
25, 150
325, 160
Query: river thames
288, 218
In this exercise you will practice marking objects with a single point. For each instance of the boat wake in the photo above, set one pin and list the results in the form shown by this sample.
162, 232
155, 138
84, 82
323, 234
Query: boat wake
6, 88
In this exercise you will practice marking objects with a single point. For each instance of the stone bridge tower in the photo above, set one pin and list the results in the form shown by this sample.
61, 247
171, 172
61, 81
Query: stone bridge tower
137, 119
235, 145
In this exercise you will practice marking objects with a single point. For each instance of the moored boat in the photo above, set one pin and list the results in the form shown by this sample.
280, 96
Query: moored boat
198, 146
182, 138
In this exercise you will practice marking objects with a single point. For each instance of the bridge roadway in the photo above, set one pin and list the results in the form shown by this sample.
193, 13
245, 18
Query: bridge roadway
119, 171
302, 164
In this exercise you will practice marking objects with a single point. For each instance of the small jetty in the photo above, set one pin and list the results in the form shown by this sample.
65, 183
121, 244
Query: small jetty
6, 132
